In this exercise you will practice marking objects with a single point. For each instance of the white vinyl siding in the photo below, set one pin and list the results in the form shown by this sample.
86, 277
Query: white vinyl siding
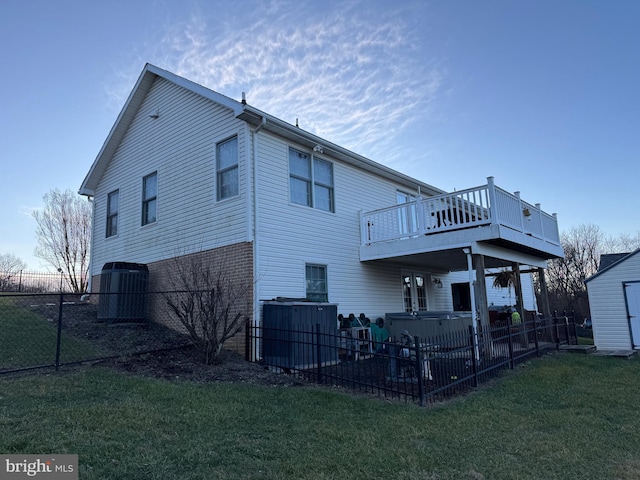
290, 238
608, 306
180, 146
498, 297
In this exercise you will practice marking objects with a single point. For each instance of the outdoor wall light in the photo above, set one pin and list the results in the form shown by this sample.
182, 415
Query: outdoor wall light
318, 149
437, 282
526, 212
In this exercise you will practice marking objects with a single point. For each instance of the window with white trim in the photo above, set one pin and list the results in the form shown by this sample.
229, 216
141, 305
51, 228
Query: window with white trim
149, 198
227, 168
316, 283
112, 213
310, 181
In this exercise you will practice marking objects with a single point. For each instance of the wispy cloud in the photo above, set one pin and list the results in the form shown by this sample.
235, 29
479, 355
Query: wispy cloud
355, 78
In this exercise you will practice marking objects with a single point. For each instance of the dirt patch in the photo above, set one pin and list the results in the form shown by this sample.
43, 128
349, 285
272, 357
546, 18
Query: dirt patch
185, 364
151, 349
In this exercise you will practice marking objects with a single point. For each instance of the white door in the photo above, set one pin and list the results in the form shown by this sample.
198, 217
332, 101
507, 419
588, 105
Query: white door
632, 294
414, 291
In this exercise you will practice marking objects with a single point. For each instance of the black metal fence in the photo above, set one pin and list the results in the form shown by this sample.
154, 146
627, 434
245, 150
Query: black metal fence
413, 369
49, 330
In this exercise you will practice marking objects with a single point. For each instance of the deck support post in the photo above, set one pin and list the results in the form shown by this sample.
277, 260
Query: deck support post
544, 293
482, 305
472, 291
517, 286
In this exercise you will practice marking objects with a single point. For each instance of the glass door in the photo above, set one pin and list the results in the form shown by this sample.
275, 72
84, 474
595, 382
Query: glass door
414, 292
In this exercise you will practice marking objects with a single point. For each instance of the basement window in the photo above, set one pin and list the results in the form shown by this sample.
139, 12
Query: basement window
316, 283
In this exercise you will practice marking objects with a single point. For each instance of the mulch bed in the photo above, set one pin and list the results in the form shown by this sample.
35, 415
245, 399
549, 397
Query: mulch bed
154, 350
185, 364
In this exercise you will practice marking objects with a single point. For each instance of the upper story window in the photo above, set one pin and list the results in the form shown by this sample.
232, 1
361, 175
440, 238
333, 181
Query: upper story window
310, 181
149, 198
227, 168
112, 213
316, 283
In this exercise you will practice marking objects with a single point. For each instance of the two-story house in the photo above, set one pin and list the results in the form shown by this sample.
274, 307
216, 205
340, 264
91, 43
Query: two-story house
188, 171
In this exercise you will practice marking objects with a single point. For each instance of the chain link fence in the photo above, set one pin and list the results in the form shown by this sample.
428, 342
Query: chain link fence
49, 330
24, 281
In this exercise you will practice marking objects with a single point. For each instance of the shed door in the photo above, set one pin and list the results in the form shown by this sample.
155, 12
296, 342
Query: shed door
632, 294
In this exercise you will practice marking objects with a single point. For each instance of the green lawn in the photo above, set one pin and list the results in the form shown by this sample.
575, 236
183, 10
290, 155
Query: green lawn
29, 338
560, 417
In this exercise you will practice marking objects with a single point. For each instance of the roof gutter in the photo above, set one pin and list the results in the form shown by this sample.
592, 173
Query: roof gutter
254, 117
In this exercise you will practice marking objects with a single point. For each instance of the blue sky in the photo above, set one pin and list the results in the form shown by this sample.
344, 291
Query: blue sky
542, 95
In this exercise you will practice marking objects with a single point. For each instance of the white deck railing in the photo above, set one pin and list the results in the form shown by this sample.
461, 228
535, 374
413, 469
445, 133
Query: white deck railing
484, 205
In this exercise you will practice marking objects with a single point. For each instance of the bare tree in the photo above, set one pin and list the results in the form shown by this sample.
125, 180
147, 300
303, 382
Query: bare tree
210, 301
64, 236
623, 243
10, 266
582, 247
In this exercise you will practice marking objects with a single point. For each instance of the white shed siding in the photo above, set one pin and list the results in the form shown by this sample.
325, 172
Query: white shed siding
291, 235
180, 145
608, 307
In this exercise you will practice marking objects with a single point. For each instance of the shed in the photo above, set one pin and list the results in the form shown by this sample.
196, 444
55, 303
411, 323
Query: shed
614, 300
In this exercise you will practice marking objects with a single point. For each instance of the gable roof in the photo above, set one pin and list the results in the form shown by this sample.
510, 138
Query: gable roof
243, 111
610, 260
607, 259
135, 99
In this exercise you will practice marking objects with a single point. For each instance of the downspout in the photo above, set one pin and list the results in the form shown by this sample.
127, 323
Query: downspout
90, 199
256, 245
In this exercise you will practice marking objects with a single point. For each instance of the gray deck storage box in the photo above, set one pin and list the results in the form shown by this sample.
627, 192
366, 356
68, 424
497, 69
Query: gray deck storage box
428, 324
123, 292
288, 335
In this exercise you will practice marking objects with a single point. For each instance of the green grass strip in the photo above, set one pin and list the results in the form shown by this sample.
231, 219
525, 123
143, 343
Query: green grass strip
560, 417
29, 339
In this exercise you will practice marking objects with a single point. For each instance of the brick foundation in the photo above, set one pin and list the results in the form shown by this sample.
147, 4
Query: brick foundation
235, 260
